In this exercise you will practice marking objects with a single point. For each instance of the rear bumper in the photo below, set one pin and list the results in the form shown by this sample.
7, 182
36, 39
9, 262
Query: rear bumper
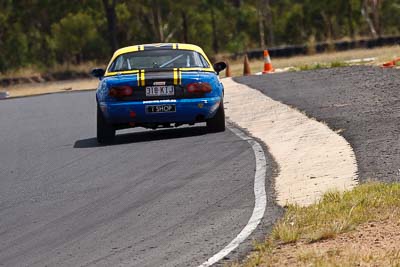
187, 111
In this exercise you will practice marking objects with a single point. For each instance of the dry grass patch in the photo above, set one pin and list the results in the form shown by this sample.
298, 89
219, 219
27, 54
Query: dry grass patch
358, 227
338, 212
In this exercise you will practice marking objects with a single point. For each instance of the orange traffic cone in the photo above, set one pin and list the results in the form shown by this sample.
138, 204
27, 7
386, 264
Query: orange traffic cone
267, 63
246, 67
227, 71
391, 64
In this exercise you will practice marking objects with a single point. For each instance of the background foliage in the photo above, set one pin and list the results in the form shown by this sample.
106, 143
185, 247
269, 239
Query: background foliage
46, 32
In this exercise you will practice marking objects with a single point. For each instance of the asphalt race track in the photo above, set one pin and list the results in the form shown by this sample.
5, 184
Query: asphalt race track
168, 197
154, 198
361, 103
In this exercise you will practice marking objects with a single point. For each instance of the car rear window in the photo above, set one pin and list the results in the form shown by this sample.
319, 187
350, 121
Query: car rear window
162, 59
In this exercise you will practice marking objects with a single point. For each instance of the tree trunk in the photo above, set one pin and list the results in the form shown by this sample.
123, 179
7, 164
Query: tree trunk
330, 35
265, 16
350, 19
109, 8
237, 3
214, 30
185, 27
261, 29
376, 16
157, 21
365, 13
271, 36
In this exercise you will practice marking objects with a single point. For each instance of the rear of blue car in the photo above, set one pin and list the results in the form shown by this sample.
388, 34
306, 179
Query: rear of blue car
159, 88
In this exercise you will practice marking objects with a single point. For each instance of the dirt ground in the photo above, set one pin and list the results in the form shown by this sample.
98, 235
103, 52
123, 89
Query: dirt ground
372, 244
50, 87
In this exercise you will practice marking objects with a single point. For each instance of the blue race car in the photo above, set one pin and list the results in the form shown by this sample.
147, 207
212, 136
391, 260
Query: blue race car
158, 86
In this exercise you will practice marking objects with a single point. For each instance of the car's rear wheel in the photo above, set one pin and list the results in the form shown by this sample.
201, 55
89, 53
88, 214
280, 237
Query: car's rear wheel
105, 131
217, 123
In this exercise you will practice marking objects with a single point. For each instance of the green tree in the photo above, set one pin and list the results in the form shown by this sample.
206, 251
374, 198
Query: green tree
73, 35
41, 32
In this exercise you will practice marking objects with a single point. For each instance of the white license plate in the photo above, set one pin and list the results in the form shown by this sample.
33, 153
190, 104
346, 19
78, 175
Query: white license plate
167, 90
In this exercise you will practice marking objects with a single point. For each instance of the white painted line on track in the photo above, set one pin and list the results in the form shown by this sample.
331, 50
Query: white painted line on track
260, 200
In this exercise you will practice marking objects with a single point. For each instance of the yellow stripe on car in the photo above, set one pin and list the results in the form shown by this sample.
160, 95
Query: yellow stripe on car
175, 77
142, 79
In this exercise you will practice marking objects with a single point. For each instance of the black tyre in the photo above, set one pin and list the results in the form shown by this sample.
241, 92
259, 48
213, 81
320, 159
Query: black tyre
105, 131
217, 123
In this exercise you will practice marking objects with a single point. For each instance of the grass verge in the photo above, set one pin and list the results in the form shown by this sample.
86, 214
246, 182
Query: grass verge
335, 214
335, 64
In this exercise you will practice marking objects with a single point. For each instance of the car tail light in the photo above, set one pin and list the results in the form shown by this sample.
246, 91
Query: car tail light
120, 91
199, 88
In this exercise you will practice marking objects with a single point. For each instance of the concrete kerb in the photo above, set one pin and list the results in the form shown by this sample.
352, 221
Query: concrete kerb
312, 158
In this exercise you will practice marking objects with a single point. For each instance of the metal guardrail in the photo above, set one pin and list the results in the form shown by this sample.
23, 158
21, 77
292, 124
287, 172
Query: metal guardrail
4, 95
295, 50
